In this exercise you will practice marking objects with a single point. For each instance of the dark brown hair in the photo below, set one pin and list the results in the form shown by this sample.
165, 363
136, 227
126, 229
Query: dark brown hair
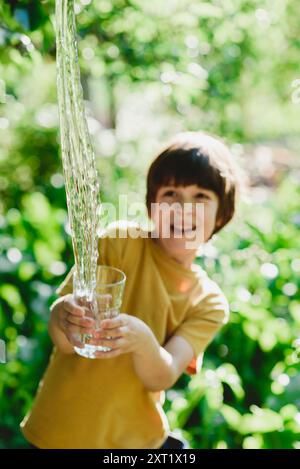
201, 159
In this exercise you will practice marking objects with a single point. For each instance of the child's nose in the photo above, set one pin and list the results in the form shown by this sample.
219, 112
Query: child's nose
188, 206
186, 199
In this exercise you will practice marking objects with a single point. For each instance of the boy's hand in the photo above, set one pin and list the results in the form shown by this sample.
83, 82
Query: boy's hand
123, 334
72, 320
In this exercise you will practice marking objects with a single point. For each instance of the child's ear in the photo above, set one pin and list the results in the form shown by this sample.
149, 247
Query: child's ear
218, 223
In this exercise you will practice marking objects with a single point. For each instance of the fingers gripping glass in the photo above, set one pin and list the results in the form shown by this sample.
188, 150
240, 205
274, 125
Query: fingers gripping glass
106, 304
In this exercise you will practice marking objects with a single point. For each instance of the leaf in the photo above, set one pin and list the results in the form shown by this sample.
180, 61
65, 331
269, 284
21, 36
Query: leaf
263, 421
232, 416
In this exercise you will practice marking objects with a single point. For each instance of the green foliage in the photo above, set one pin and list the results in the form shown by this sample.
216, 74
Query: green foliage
148, 70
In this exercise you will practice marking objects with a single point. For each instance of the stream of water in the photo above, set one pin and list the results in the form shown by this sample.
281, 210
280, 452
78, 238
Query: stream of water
79, 167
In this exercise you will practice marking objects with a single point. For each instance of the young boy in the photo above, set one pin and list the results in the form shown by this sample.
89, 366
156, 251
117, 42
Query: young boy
172, 311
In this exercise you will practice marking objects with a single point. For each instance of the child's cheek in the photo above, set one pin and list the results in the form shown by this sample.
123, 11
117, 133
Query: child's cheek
210, 214
162, 218
200, 212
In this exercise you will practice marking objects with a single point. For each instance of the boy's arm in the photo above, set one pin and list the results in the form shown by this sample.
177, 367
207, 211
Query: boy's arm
160, 367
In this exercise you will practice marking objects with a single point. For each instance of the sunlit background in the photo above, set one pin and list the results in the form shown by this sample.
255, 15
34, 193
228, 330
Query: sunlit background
149, 70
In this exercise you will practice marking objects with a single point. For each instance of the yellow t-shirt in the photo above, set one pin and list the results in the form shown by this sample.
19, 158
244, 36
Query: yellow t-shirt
84, 403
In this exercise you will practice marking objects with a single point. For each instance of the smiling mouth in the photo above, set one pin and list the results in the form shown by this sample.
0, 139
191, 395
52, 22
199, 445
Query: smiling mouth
181, 230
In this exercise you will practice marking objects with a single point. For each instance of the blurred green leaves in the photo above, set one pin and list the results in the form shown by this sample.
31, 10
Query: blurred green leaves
150, 69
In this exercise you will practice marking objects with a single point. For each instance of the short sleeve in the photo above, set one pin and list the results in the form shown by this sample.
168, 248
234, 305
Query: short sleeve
66, 286
202, 323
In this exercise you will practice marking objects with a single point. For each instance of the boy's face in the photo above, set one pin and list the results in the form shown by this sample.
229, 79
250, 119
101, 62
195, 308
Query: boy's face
186, 219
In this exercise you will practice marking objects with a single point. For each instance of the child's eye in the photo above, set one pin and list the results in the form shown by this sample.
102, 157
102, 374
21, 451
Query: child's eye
201, 195
170, 193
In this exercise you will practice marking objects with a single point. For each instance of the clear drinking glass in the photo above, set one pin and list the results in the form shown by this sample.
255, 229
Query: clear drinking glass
105, 304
